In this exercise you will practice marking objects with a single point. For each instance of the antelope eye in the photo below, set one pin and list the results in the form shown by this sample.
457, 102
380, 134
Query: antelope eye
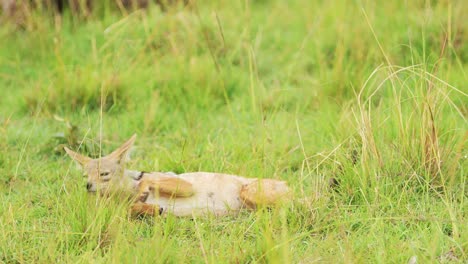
104, 174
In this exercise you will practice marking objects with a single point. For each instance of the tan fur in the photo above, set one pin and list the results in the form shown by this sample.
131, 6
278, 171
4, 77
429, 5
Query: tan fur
166, 186
213, 193
141, 209
106, 172
187, 194
264, 192
82, 160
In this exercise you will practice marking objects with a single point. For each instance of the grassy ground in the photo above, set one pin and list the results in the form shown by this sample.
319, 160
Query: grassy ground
372, 95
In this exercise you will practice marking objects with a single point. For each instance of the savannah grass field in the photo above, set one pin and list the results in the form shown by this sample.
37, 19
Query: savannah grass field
360, 105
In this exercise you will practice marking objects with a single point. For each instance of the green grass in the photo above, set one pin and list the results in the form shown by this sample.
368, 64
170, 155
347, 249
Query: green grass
371, 94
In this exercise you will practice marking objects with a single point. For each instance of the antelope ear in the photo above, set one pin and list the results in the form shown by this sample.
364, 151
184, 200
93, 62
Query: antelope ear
120, 153
80, 159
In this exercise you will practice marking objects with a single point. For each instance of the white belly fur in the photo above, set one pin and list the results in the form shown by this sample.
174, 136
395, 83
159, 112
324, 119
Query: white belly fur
214, 193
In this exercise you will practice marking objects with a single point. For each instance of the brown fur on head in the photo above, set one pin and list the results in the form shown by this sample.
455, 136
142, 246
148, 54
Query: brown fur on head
105, 173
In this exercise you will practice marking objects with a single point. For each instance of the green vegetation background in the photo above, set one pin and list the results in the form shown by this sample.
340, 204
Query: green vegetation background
370, 93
